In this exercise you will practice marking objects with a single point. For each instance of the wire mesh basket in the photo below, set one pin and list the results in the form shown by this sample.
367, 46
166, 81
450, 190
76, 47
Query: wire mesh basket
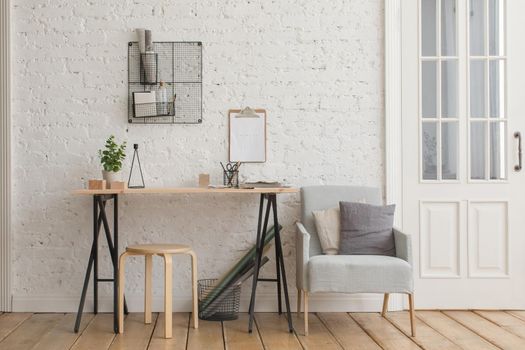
230, 178
224, 307
155, 109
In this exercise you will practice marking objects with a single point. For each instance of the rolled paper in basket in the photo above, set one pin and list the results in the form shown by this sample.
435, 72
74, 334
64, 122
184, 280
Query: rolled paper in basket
241, 265
215, 304
141, 38
148, 40
242, 272
150, 67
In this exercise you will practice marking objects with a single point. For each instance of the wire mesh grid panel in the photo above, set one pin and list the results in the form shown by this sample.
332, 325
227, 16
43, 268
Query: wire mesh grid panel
179, 66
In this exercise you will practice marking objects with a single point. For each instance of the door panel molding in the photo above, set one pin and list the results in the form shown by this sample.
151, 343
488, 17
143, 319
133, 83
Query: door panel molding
440, 248
488, 239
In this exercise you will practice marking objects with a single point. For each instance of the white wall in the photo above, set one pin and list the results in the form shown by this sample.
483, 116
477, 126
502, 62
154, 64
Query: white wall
317, 67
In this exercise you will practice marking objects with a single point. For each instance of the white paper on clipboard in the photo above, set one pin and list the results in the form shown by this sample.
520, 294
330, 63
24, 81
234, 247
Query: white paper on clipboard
247, 135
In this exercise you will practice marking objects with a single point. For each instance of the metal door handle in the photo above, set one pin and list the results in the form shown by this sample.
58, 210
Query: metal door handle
517, 135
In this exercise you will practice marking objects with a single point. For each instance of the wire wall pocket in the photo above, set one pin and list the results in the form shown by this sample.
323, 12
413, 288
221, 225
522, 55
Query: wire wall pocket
165, 86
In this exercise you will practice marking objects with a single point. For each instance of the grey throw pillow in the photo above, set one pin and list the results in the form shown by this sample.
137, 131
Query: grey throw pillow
366, 229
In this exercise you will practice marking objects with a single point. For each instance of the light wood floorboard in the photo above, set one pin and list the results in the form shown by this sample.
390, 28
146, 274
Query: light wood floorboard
488, 330
179, 329
347, 332
31, 331
436, 330
319, 337
236, 336
136, 334
426, 337
274, 332
61, 336
97, 335
207, 336
458, 334
383, 332
518, 313
505, 320
9, 322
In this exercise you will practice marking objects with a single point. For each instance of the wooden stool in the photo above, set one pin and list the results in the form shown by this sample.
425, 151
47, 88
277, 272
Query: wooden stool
166, 251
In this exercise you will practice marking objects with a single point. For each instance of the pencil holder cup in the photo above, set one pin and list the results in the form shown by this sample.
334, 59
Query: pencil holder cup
230, 178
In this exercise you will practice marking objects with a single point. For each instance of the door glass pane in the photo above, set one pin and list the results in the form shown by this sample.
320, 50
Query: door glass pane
449, 150
496, 40
477, 89
429, 143
429, 89
448, 27
428, 27
497, 88
477, 27
477, 150
497, 151
449, 89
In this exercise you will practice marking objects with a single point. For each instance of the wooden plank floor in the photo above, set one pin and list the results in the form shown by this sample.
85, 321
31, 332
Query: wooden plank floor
454, 330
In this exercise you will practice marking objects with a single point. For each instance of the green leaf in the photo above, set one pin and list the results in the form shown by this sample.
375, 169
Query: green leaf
113, 155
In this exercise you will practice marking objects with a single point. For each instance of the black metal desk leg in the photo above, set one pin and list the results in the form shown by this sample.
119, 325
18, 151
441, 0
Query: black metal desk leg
115, 263
103, 219
278, 244
259, 245
96, 230
89, 267
278, 273
259, 223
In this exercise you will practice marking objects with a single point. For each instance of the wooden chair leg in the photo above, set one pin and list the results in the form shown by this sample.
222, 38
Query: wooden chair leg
195, 299
299, 295
168, 290
148, 288
412, 321
121, 281
385, 304
305, 295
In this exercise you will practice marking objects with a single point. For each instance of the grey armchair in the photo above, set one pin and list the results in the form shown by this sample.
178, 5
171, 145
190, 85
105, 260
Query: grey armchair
317, 272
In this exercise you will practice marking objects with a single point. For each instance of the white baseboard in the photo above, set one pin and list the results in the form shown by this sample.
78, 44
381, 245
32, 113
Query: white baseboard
265, 302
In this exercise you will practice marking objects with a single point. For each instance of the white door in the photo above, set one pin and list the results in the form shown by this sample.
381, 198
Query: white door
463, 99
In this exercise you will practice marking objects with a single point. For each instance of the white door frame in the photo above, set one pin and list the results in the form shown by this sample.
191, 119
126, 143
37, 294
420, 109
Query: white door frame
5, 156
393, 99
393, 122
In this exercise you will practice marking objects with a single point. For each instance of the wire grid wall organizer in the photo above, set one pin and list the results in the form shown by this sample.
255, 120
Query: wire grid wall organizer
179, 66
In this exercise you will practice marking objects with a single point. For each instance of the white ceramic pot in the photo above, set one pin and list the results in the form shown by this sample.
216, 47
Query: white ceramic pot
111, 176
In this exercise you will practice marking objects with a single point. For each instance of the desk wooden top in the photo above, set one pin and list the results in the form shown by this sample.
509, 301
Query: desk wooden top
182, 190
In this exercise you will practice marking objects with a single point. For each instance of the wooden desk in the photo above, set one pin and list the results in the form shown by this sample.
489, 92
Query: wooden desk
182, 190
101, 197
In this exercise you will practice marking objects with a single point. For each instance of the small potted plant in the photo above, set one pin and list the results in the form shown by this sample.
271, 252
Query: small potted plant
111, 158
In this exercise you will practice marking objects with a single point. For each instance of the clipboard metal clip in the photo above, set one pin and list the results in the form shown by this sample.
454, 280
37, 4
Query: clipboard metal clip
247, 112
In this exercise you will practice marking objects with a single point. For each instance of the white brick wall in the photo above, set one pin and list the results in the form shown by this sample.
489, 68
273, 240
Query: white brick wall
316, 66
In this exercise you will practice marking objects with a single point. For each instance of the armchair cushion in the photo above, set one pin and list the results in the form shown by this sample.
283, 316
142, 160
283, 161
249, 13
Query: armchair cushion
327, 223
359, 274
367, 229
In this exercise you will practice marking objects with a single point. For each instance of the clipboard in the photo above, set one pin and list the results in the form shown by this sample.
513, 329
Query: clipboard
247, 134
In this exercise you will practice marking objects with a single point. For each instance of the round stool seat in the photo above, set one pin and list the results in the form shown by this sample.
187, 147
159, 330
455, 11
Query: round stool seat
158, 249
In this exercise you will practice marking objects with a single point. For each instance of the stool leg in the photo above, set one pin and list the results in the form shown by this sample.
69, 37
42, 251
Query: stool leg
147, 288
194, 289
121, 275
168, 290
